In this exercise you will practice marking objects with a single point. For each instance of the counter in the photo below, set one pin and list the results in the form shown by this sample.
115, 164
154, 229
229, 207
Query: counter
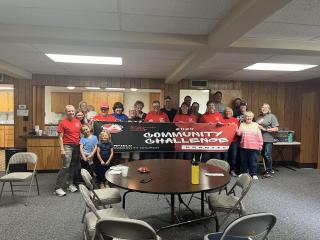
48, 151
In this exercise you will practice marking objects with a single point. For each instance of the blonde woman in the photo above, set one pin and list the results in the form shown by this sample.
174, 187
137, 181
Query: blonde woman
268, 124
250, 144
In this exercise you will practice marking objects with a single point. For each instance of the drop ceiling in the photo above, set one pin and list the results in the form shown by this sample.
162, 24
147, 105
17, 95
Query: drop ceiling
159, 38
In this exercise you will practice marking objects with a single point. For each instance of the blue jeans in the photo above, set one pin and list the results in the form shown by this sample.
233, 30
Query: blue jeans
248, 159
185, 155
232, 155
267, 154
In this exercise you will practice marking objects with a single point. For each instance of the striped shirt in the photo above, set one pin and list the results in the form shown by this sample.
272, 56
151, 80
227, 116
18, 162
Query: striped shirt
251, 137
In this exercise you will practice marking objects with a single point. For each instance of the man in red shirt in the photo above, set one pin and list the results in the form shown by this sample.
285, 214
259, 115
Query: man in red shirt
104, 116
69, 138
213, 117
156, 115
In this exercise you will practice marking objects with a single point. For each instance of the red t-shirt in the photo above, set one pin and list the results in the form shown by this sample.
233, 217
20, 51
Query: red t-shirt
156, 117
185, 118
235, 121
107, 118
211, 118
71, 130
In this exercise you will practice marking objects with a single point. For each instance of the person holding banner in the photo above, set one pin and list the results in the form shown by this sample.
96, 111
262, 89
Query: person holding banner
231, 155
118, 112
213, 117
185, 117
171, 112
104, 116
195, 110
155, 116
250, 144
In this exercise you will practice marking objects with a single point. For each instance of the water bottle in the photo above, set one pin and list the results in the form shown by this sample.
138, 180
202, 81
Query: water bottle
195, 172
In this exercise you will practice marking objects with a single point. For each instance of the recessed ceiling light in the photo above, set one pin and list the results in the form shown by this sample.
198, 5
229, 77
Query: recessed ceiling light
85, 59
133, 89
116, 89
6, 88
71, 87
279, 67
93, 88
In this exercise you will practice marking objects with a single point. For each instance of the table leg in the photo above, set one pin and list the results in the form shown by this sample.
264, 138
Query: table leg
124, 199
172, 208
202, 204
286, 165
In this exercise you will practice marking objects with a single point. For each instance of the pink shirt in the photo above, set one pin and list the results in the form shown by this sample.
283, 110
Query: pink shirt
251, 137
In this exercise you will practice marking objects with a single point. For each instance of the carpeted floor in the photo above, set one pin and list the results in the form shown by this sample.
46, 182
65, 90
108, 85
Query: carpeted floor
292, 196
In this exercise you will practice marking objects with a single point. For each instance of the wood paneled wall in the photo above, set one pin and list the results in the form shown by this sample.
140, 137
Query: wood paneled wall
295, 104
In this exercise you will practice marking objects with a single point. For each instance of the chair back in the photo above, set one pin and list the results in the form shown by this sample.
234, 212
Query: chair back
124, 228
87, 178
244, 182
23, 157
219, 163
253, 225
88, 200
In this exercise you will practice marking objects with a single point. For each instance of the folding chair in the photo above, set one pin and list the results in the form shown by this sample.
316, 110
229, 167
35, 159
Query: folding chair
122, 228
230, 203
93, 214
243, 228
11, 177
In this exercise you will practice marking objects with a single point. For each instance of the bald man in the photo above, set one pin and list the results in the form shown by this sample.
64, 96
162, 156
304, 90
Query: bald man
69, 139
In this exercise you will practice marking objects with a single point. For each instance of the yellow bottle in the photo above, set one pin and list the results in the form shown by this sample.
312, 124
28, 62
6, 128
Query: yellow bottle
195, 173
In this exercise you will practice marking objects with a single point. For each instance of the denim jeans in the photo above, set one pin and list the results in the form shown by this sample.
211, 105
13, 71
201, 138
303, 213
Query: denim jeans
267, 154
70, 166
185, 155
232, 156
248, 159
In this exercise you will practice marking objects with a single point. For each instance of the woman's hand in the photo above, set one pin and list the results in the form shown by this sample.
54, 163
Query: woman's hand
62, 153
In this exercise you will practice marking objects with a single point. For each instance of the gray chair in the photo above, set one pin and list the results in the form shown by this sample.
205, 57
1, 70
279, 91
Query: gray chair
93, 214
19, 177
253, 225
121, 228
229, 203
217, 163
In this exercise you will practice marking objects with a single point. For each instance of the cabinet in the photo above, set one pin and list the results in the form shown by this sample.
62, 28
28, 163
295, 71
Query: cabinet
47, 150
60, 99
96, 98
6, 102
6, 136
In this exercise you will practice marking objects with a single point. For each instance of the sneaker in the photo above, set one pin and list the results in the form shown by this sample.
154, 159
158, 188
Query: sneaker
271, 171
267, 175
60, 192
233, 174
255, 177
72, 188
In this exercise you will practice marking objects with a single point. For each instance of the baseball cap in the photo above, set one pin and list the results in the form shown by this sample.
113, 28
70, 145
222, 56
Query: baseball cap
104, 105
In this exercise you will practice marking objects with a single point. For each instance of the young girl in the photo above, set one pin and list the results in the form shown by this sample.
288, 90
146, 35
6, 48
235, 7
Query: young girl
88, 148
105, 155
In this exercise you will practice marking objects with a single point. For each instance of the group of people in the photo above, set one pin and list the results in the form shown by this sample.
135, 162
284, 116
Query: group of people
254, 135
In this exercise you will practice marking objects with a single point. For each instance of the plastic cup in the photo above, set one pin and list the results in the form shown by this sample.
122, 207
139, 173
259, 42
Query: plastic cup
124, 171
40, 132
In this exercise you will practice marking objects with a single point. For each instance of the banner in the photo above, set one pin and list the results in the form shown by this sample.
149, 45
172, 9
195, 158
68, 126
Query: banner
167, 137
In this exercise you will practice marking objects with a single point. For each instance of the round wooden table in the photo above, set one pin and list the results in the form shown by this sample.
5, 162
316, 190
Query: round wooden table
168, 176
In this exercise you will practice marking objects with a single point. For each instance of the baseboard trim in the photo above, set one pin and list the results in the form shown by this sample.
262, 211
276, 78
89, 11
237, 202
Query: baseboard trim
305, 165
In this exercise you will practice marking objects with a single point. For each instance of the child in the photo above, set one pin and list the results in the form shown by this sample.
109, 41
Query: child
105, 155
88, 148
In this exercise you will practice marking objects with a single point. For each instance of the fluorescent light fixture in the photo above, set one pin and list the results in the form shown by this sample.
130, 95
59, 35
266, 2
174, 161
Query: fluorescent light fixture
71, 87
133, 89
279, 67
205, 91
115, 89
6, 88
85, 59
93, 88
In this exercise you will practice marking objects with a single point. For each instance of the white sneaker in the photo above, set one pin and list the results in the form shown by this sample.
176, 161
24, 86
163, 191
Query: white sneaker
255, 177
72, 188
233, 174
60, 192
